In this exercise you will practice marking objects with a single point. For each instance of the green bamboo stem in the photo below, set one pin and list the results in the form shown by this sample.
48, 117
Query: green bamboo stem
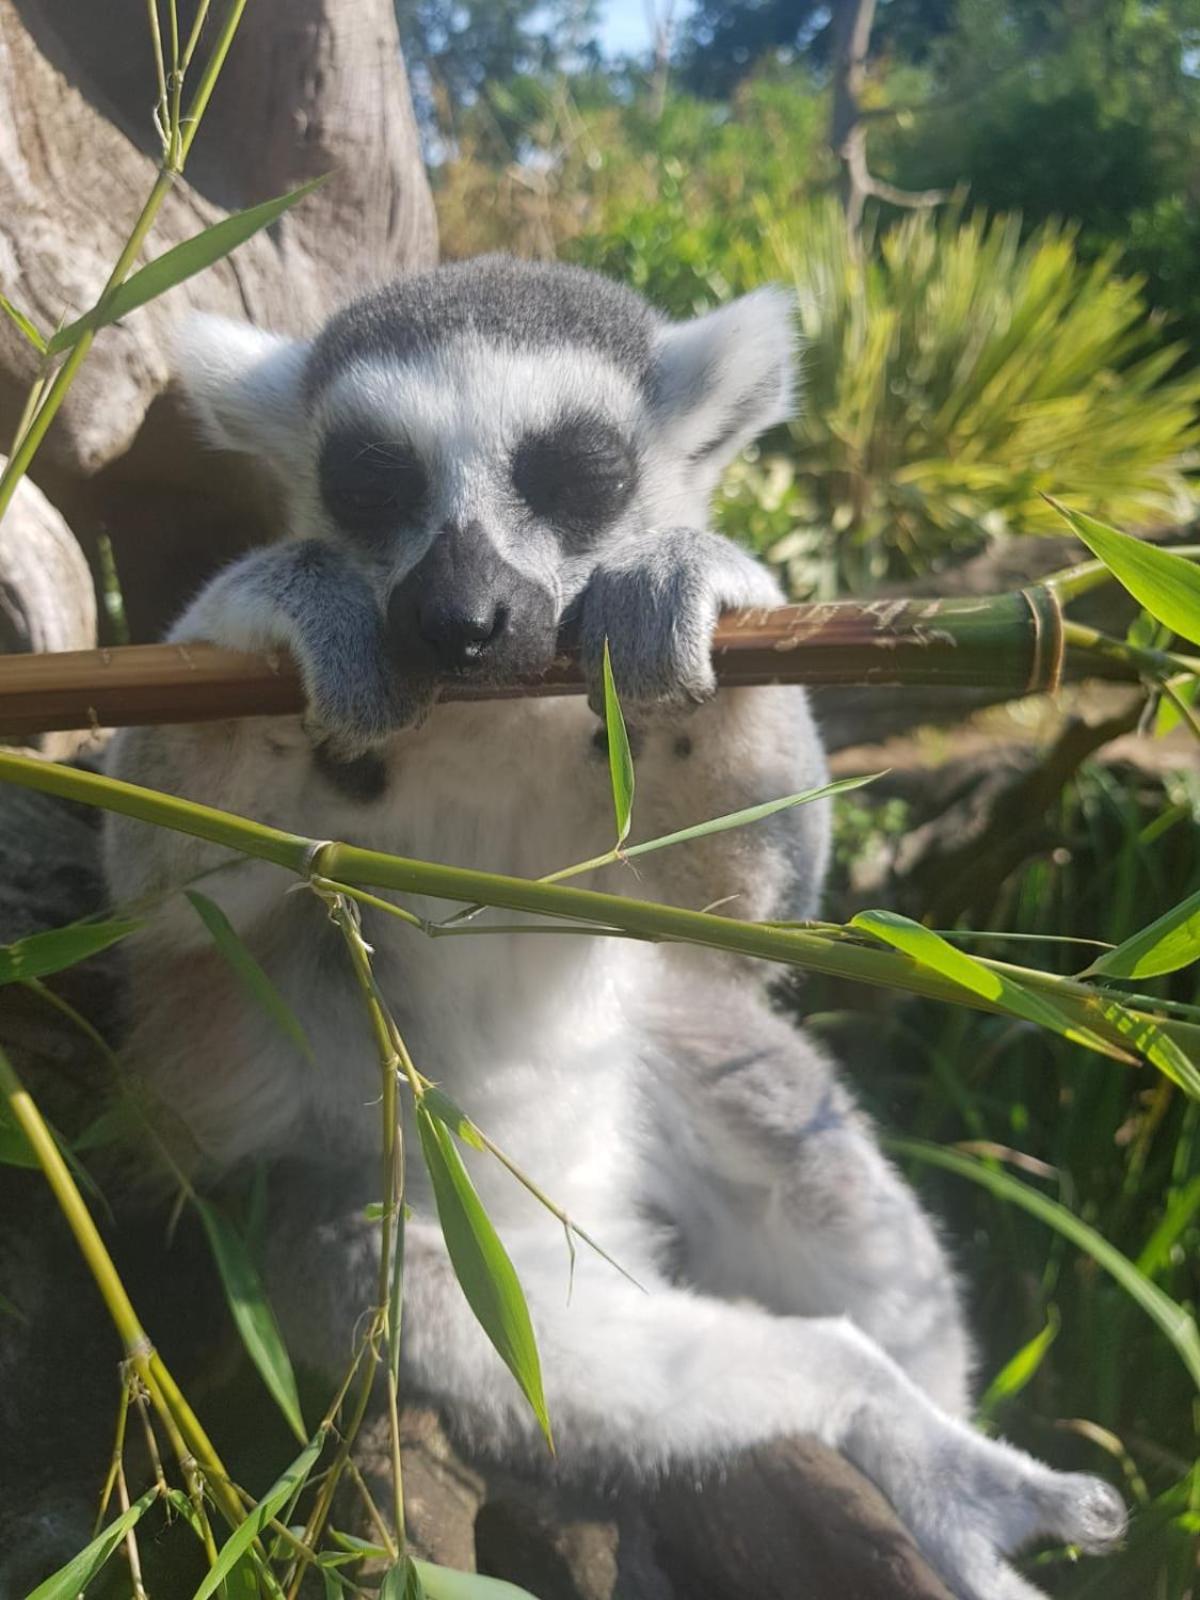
1117, 658
838, 956
181, 138
140, 1353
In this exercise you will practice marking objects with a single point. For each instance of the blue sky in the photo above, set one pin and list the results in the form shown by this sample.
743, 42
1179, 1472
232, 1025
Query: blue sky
624, 28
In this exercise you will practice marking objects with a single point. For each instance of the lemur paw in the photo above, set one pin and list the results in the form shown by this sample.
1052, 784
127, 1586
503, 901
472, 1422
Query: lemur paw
657, 605
349, 713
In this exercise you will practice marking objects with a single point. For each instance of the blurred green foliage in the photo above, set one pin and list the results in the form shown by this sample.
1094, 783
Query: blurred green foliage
1035, 333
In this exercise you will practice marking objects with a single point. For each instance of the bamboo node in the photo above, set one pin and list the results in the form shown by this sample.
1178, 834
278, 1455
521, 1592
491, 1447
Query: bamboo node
308, 862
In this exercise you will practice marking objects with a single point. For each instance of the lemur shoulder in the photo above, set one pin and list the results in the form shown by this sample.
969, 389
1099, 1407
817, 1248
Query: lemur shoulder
470, 456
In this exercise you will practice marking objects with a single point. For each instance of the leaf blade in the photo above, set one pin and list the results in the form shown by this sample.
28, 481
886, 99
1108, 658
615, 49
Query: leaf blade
66, 1583
921, 944
445, 1583
748, 815
1176, 1323
249, 972
620, 756
289, 1482
39, 955
179, 263
252, 1314
481, 1264
23, 324
1164, 945
1167, 585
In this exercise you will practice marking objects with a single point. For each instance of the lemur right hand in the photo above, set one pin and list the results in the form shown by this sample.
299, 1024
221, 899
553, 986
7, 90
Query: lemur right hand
306, 598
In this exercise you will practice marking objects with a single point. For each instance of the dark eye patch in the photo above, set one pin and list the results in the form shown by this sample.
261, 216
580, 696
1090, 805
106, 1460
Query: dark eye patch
579, 475
371, 485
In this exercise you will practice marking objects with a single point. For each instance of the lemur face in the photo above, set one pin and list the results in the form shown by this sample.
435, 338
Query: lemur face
479, 436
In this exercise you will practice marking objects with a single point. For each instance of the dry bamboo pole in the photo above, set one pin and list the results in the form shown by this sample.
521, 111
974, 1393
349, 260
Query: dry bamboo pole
1010, 642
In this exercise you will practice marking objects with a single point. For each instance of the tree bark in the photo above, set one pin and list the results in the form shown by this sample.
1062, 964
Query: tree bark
310, 86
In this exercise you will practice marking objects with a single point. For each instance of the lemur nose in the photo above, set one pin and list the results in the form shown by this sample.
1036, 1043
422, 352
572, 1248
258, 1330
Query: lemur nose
461, 634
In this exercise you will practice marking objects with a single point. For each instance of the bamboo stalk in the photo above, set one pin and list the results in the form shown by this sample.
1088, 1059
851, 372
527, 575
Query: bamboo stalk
1008, 642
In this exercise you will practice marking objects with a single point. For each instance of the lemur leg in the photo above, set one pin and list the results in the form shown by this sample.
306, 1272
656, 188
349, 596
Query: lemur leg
777, 1190
637, 1381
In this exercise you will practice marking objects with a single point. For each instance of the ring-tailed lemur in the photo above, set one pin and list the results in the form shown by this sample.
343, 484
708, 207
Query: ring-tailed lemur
468, 456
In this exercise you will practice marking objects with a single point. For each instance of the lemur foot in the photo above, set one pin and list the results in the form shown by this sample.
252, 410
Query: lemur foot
985, 1503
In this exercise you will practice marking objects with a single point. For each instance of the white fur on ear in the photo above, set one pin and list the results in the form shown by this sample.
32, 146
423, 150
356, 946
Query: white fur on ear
243, 386
722, 379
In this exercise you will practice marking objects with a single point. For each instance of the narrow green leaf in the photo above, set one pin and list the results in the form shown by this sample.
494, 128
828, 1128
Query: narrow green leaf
402, 1581
1179, 1327
1168, 715
444, 1583
24, 325
16, 1151
481, 1263
252, 1313
620, 757
243, 1536
66, 1583
40, 954
183, 261
1166, 584
110, 1127
931, 950
1156, 1253
248, 971
740, 819
1170, 942
452, 1114
1021, 1368
243, 1583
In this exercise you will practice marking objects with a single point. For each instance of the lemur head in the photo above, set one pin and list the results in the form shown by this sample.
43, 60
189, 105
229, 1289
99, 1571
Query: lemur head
480, 435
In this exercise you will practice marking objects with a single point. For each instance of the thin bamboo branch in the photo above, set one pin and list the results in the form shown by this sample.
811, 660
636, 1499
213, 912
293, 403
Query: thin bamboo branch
1011, 642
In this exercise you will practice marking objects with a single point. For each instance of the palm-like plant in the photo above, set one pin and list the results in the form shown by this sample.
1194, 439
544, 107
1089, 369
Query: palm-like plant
952, 373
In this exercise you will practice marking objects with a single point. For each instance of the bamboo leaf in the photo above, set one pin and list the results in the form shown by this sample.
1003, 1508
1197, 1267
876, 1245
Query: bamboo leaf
24, 325
401, 1581
252, 1313
110, 1127
1166, 584
1021, 1368
243, 1536
741, 819
181, 262
41, 954
1168, 715
68, 1581
481, 1263
1170, 942
620, 757
251, 975
444, 1583
1156, 1253
931, 950
1171, 1318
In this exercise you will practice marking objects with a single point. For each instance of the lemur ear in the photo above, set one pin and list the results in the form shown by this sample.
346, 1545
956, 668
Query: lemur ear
244, 386
724, 378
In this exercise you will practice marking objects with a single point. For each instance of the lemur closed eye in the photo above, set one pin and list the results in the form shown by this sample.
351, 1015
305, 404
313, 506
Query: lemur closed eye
469, 456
